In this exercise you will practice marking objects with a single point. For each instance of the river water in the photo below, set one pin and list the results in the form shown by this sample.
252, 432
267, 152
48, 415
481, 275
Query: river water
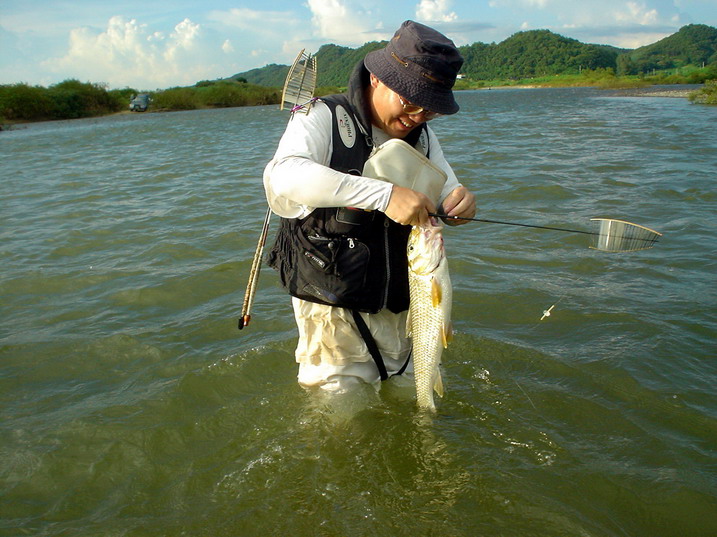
132, 406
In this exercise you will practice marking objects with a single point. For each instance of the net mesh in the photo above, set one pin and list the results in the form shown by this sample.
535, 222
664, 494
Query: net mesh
620, 236
300, 84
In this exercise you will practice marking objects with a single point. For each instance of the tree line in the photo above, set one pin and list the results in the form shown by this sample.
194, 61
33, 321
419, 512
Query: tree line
72, 99
536, 53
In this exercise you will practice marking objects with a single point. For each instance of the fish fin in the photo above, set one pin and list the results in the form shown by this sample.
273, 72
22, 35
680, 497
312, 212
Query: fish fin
438, 385
436, 292
408, 323
447, 334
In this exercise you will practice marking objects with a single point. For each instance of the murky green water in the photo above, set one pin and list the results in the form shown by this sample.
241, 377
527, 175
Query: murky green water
132, 406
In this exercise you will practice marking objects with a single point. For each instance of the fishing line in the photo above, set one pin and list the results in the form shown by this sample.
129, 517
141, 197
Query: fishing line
612, 235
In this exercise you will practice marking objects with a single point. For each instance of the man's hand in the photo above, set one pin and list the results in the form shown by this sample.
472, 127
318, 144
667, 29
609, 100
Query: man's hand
408, 207
459, 203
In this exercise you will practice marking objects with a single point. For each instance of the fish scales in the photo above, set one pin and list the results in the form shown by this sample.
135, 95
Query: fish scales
429, 314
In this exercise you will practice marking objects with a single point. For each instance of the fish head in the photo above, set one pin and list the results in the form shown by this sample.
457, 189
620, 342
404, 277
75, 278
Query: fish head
425, 248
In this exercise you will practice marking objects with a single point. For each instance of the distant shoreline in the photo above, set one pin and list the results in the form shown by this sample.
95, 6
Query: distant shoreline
670, 91
658, 91
648, 91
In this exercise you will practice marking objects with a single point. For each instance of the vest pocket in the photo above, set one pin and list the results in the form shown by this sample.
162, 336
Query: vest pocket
332, 270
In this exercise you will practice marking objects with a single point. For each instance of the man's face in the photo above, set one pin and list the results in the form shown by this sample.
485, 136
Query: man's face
387, 111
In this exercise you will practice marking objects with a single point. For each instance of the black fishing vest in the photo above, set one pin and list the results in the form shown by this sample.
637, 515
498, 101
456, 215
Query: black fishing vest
340, 256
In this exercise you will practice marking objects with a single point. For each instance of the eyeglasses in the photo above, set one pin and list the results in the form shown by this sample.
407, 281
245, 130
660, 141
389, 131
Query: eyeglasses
413, 109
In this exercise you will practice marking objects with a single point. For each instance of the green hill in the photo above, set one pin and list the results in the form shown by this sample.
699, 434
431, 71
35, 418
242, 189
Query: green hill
534, 53
272, 75
695, 44
334, 62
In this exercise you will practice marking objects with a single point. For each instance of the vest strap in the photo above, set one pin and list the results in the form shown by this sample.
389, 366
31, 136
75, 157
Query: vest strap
373, 348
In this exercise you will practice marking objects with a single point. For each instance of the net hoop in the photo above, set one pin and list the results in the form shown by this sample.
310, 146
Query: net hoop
621, 236
298, 92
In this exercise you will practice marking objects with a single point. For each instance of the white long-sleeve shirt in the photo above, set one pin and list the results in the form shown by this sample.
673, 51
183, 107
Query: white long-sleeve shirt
298, 179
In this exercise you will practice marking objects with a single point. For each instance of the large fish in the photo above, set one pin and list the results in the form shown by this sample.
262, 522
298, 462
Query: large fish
429, 313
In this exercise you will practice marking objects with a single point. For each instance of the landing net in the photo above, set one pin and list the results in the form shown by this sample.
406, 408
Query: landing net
620, 236
300, 84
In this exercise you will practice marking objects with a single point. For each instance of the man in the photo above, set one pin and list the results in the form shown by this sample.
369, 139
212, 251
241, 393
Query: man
341, 246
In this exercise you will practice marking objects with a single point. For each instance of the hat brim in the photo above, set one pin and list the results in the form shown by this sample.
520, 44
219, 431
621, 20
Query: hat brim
409, 85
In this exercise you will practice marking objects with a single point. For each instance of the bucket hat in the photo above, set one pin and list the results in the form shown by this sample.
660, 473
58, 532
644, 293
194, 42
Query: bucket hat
421, 65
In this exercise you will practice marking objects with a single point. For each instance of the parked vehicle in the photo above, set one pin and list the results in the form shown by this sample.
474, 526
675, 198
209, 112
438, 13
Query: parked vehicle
139, 103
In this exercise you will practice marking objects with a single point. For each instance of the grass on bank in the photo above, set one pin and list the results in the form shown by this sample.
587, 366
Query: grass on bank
214, 94
601, 78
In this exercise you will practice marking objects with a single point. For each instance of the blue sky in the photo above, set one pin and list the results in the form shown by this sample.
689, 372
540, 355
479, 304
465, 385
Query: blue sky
158, 44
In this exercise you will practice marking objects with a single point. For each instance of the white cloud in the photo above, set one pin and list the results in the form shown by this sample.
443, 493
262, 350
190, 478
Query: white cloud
262, 36
435, 11
637, 13
183, 39
628, 24
127, 53
332, 18
343, 22
255, 21
522, 4
643, 12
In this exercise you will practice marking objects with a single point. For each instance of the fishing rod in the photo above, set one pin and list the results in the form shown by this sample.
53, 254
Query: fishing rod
511, 223
613, 235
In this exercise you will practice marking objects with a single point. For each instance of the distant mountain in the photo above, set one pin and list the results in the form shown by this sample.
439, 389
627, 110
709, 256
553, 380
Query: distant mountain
534, 53
524, 55
694, 44
334, 64
272, 75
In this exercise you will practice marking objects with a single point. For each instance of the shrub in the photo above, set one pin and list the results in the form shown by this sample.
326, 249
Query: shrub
74, 99
707, 95
176, 99
67, 100
23, 102
223, 96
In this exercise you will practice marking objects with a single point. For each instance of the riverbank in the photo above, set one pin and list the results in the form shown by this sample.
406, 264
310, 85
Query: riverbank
674, 90
682, 91
660, 91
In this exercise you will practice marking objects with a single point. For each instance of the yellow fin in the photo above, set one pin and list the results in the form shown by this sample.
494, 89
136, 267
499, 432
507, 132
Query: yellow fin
436, 292
447, 334
438, 385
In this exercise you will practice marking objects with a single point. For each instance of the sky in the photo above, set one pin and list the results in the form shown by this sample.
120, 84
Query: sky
148, 45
